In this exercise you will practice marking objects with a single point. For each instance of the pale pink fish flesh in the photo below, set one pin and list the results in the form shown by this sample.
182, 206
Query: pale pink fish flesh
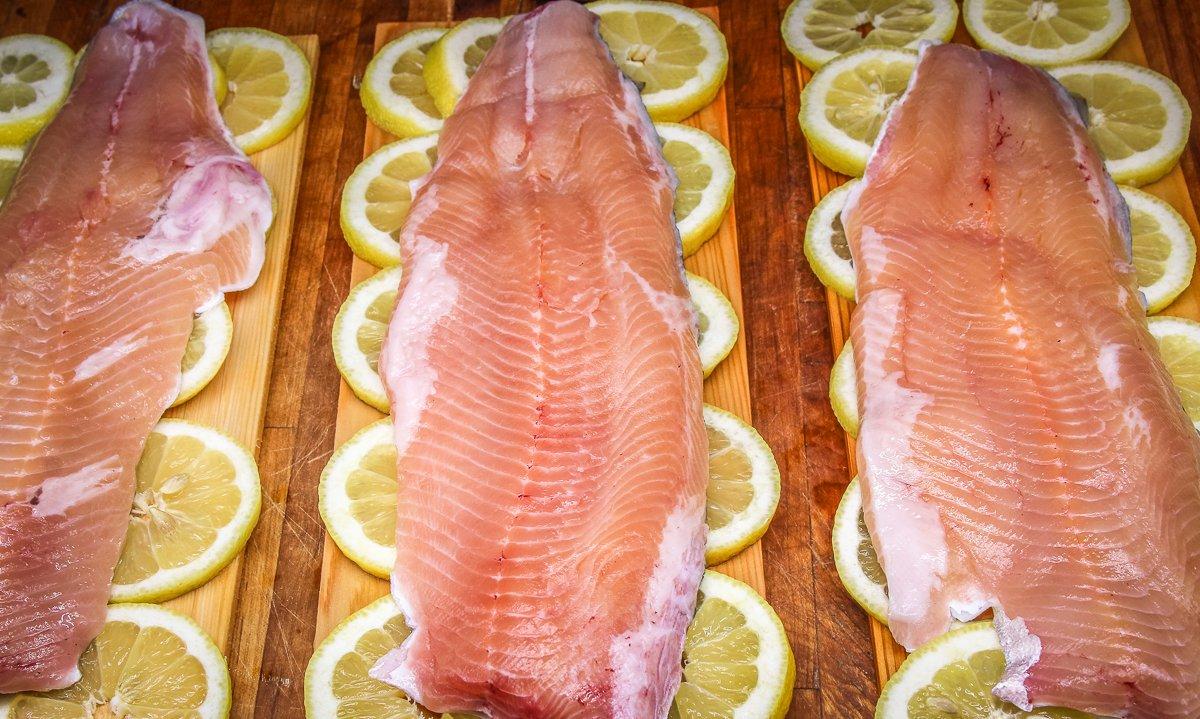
132, 212
546, 392
1022, 445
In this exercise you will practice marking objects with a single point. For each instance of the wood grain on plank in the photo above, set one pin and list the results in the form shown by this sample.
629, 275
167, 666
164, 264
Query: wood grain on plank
1173, 188
269, 660
344, 587
235, 401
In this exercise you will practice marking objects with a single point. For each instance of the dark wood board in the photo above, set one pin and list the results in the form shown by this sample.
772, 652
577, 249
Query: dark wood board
787, 327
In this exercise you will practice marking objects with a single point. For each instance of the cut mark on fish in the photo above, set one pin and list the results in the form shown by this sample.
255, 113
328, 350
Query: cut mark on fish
530, 40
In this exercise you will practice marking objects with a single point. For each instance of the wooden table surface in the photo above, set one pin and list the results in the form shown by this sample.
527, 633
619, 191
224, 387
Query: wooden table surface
786, 323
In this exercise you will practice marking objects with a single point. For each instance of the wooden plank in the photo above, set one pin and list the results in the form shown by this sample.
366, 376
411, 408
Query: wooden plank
1173, 188
235, 401
345, 588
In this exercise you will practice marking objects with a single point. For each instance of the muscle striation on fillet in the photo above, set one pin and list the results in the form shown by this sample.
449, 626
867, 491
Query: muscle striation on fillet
132, 212
1022, 446
546, 390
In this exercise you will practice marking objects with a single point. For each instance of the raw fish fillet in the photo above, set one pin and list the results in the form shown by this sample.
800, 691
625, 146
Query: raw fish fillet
1022, 446
133, 211
546, 394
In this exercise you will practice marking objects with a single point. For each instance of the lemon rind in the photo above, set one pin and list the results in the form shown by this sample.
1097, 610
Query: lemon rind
684, 101
706, 217
746, 528
299, 73
445, 73
772, 693
199, 645
217, 79
1098, 43
318, 677
170, 583
396, 113
723, 324
195, 639
11, 153
919, 669
843, 391
814, 58
1163, 326
867, 594
1142, 168
333, 502
363, 381
217, 340
833, 272
18, 126
832, 147
1181, 263
369, 244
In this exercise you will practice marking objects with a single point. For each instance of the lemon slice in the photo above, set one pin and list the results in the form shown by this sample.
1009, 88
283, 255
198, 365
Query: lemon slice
719, 324
358, 490
845, 103
393, 88
196, 502
843, 390
736, 657
817, 31
1179, 343
1046, 32
358, 332
1138, 118
953, 676
269, 85
854, 555
452, 60
148, 661
376, 198
1164, 251
676, 55
705, 173
357, 498
737, 661
35, 75
743, 485
207, 348
10, 161
337, 683
826, 246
